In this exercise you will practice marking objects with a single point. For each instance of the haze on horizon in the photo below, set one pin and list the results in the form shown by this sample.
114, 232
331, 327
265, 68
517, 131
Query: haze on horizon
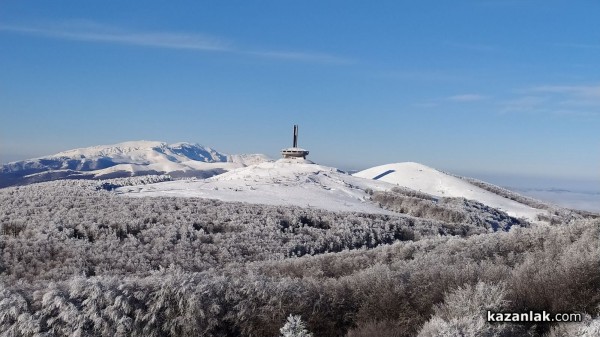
485, 88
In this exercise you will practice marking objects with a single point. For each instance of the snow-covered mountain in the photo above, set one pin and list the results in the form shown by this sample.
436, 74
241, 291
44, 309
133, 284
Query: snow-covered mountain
425, 179
303, 183
124, 160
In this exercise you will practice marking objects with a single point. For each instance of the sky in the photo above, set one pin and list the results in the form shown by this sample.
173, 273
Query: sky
485, 88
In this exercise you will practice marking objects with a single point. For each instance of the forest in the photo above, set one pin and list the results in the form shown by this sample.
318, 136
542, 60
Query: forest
78, 260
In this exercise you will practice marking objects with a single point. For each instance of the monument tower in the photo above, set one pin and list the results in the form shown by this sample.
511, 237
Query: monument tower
294, 151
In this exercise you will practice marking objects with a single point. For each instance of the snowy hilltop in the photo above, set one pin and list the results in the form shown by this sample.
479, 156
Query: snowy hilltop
302, 183
283, 182
425, 179
124, 160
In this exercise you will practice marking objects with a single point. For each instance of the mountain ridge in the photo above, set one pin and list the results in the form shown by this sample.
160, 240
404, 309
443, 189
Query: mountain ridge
132, 158
251, 178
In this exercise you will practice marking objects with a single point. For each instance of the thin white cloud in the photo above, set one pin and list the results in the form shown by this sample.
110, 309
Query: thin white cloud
557, 101
524, 104
582, 91
576, 113
464, 98
467, 98
481, 48
426, 105
99, 33
93, 32
421, 75
578, 45
301, 56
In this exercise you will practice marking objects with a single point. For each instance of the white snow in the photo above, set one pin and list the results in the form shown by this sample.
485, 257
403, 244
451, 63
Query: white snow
428, 180
247, 159
283, 182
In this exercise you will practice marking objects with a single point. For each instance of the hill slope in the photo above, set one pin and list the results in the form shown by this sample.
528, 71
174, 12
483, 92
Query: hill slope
431, 181
283, 182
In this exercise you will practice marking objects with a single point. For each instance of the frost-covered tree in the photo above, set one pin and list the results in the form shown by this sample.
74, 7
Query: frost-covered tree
77, 260
294, 327
463, 313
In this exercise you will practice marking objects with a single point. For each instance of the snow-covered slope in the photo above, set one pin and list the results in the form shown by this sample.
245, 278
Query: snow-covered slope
303, 183
428, 180
125, 159
284, 182
248, 159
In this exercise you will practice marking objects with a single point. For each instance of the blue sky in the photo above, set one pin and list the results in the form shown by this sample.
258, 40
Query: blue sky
487, 88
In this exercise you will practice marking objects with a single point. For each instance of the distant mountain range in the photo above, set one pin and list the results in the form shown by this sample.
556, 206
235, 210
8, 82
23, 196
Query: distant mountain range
125, 160
255, 178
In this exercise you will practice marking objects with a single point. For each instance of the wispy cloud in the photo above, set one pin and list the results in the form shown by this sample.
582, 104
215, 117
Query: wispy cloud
420, 75
301, 56
426, 105
579, 45
575, 113
501, 3
523, 104
571, 96
463, 98
90, 32
481, 48
556, 100
467, 98
93, 32
582, 91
